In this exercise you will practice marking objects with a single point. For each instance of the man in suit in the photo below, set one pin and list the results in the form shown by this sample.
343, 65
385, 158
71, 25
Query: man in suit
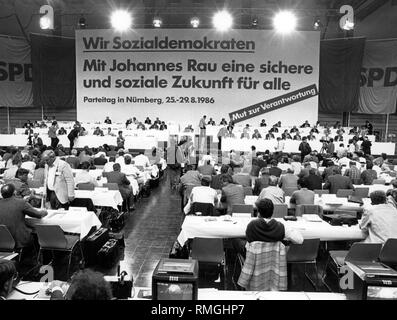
231, 193
289, 181
37, 141
337, 181
60, 181
73, 160
243, 179
207, 169
100, 161
274, 169
312, 182
52, 133
12, 215
216, 182
116, 176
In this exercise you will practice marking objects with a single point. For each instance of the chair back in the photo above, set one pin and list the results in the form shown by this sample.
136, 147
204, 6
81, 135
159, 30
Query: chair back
242, 210
379, 181
111, 186
265, 267
7, 242
86, 186
34, 184
206, 209
361, 192
289, 191
320, 192
51, 236
363, 252
208, 250
247, 191
305, 252
280, 210
357, 181
344, 193
388, 254
301, 209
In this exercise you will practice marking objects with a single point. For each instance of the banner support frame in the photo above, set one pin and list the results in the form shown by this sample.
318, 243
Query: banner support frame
387, 126
8, 120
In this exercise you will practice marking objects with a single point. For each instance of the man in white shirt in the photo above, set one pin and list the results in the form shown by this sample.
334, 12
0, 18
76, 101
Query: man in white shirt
379, 221
108, 167
272, 192
84, 176
280, 145
202, 194
28, 164
142, 160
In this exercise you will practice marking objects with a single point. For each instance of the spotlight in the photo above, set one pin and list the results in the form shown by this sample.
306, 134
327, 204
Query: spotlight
284, 22
121, 20
254, 23
348, 25
222, 21
195, 22
82, 23
157, 22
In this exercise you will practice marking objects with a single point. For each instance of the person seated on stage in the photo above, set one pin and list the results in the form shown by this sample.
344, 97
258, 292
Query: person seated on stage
278, 124
285, 135
336, 182
306, 124
98, 132
303, 195
379, 221
84, 176
141, 126
314, 130
12, 215
85, 285
148, 121
154, 126
353, 130
256, 134
245, 134
231, 193
62, 131
202, 194
294, 129
110, 132
311, 136
211, 122
73, 160
128, 123
163, 126
8, 273
116, 176
223, 122
272, 192
263, 123
269, 135
297, 137
207, 169
108, 121
189, 128
273, 129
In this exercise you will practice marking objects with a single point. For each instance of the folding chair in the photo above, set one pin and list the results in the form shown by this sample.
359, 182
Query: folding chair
305, 253
388, 254
210, 251
280, 210
301, 209
344, 193
361, 192
52, 237
206, 209
242, 210
379, 181
320, 192
289, 191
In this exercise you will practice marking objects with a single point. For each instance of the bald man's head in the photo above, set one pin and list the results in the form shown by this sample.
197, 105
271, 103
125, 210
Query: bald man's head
48, 157
7, 191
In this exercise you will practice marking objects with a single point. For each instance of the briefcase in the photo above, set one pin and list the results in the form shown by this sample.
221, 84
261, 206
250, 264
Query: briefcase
340, 219
108, 253
93, 244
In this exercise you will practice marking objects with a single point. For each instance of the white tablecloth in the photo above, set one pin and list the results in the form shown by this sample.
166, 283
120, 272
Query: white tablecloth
196, 226
70, 221
109, 198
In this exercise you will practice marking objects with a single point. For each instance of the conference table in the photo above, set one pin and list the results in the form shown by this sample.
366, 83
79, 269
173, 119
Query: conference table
222, 227
71, 221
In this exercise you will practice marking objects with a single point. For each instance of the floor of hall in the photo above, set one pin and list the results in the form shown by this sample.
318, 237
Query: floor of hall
149, 233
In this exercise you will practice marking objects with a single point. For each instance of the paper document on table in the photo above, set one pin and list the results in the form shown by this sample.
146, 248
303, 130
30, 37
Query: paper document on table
311, 218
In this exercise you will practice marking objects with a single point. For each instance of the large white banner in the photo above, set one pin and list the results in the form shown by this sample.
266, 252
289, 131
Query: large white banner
15, 73
378, 92
180, 75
